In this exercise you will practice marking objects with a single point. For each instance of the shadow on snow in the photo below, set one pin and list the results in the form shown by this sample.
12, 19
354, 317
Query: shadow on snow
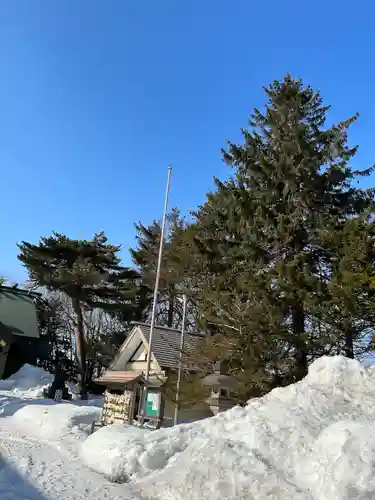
15, 487
9, 405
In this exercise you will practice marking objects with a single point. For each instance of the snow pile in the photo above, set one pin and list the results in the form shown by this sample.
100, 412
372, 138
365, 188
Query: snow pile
33, 469
39, 444
314, 440
28, 382
132, 451
342, 462
51, 421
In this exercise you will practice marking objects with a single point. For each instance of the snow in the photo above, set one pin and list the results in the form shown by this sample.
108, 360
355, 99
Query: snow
314, 440
54, 422
39, 441
27, 379
28, 382
38, 470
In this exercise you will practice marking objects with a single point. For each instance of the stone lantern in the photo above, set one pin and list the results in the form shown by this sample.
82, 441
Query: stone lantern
222, 390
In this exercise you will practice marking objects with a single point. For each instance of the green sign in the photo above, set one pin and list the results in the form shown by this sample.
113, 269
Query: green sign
153, 404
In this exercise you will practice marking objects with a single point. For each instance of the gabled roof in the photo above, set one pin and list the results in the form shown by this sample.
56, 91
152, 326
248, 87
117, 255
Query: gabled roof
166, 343
120, 377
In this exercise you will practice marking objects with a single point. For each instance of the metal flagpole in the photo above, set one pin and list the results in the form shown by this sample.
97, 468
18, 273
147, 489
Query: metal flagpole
177, 405
156, 291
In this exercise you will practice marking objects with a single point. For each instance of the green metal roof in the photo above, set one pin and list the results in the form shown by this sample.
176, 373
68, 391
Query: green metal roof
18, 312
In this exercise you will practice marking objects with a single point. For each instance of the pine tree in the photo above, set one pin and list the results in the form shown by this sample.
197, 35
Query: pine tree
145, 257
89, 273
236, 305
299, 184
349, 309
262, 233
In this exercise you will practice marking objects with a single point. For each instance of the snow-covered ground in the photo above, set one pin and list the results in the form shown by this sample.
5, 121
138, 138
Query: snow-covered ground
314, 440
39, 443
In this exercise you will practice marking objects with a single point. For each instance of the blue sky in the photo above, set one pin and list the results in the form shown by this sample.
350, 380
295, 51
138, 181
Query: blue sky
98, 98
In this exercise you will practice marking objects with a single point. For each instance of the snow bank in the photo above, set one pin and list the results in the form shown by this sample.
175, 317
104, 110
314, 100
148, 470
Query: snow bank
28, 382
314, 440
55, 421
104, 451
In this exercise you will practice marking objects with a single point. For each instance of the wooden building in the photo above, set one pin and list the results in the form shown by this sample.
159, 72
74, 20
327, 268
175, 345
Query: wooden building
130, 362
120, 398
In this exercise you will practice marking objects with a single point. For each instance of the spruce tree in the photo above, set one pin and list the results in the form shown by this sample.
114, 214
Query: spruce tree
349, 309
236, 304
145, 257
89, 273
292, 183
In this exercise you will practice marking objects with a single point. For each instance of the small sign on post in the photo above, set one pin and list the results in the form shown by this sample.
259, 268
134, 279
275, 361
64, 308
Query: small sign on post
153, 404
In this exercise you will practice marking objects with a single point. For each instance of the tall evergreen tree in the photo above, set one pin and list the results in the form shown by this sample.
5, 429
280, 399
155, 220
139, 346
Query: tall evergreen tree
349, 309
292, 183
145, 257
89, 273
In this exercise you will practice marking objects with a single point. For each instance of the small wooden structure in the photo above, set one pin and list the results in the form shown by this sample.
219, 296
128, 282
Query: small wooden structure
120, 397
165, 359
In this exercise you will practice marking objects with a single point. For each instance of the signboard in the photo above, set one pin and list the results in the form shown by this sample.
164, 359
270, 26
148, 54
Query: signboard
153, 403
116, 408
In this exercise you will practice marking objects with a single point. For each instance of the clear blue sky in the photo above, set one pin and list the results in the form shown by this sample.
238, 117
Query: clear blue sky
98, 97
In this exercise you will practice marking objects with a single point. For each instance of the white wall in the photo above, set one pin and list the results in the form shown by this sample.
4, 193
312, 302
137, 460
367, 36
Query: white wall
140, 366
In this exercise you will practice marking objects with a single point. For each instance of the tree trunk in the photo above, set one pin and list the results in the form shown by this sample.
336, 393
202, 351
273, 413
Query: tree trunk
80, 349
170, 312
349, 343
89, 373
56, 347
298, 319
